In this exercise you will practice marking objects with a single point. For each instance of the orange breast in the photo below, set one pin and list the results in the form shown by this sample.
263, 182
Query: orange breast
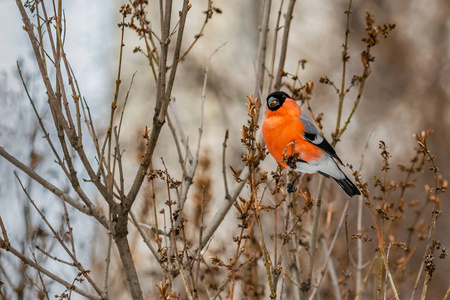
283, 131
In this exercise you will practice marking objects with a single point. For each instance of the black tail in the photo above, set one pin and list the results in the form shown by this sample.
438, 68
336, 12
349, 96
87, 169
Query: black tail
348, 186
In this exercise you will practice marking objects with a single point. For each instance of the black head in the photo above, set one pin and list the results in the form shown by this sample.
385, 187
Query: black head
276, 100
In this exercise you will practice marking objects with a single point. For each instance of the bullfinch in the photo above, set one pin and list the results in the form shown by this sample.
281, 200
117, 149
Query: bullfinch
295, 142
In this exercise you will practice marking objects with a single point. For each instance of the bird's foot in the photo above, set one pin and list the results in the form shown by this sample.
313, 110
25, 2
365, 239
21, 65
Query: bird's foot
291, 188
291, 185
292, 162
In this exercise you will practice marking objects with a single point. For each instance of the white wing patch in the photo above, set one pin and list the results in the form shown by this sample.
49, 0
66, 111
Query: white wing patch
325, 165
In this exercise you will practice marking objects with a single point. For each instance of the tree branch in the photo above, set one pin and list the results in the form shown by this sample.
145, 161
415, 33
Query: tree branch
260, 63
284, 43
46, 272
88, 210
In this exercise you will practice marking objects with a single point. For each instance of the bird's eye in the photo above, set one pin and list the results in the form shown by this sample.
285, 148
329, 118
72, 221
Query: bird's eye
273, 102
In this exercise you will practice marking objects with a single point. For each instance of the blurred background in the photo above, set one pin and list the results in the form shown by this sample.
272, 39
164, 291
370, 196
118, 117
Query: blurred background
408, 91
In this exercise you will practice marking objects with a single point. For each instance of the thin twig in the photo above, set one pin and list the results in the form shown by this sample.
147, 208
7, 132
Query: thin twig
107, 141
220, 214
125, 105
90, 211
234, 261
447, 294
63, 125
87, 117
345, 58
57, 51
327, 258
183, 137
428, 258
312, 249
162, 95
5, 276
47, 273
366, 278
145, 238
222, 287
359, 264
386, 276
69, 228
382, 252
174, 242
41, 124
200, 236
61, 242
54, 257
208, 14
118, 160
267, 260
152, 54
44, 287
188, 179
108, 258
177, 144
416, 282
176, 54
347, 273
331, 270
4, 232
261, 57
274, 48
284, 43
359, 251
224, 169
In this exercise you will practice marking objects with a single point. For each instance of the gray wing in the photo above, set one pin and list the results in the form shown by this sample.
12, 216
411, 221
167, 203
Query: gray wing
313, 136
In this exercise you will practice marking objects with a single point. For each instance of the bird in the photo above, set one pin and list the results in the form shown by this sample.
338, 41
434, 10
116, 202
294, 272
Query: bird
295, 142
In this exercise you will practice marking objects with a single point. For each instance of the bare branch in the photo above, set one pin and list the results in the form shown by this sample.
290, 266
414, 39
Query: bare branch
359, 263
123, 247
313, 241
260, 63
54, 257
58, 116
284, 43
145, 238
44, 288
41, 124
332, 271
183, 137
220, 214
200, 235
176, 56
47, 273
77, 264
274, 48
177, 144
107, 259
4, 232
88, 210
345, 58
329, 251
224, 168
189, 177
162, 96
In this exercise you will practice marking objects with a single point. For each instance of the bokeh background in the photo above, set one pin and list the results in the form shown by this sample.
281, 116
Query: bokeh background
407, 91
